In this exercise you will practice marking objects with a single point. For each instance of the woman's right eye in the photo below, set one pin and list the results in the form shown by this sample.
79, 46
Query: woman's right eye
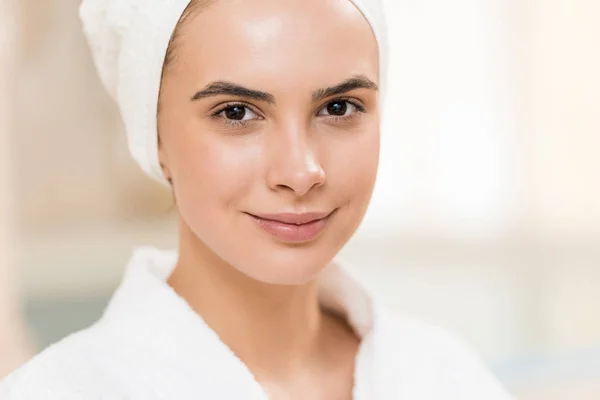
237, 113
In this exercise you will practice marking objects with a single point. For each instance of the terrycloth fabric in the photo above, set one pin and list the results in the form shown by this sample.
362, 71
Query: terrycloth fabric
129, 41
150, 345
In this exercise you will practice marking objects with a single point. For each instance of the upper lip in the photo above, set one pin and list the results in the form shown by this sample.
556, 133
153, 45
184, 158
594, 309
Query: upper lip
294, 218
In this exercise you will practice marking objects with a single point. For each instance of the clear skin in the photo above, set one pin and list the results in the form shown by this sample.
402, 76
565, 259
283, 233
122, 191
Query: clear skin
287, 154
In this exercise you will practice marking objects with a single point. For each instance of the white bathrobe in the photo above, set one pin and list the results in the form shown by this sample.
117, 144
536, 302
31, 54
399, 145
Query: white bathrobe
150, 345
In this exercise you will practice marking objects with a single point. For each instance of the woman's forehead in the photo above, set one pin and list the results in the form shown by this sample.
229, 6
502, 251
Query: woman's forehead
284, 42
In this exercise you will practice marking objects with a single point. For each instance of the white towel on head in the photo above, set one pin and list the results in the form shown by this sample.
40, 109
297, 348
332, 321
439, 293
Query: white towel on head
129, 41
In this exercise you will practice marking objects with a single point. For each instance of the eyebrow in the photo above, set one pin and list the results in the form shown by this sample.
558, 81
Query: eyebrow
356, 82
218, 88
229, 88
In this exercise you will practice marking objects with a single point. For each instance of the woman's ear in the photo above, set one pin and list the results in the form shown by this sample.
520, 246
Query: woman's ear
162, 159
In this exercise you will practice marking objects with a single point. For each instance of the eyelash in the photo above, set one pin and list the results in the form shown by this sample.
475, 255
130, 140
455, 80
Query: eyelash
360, 109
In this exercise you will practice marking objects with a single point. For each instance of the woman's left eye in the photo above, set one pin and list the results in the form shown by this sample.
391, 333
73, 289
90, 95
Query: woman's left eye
339, 108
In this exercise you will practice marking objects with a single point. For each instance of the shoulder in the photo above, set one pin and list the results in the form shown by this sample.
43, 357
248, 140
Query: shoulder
77, 367
436, 359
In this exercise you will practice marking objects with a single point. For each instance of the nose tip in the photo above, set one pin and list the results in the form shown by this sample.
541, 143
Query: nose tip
303, 182
297, 171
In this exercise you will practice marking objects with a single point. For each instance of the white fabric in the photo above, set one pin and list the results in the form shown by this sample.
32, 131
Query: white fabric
150, 345
129, 41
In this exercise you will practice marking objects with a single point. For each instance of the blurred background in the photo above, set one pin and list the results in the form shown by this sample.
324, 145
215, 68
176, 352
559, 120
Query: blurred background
485, 219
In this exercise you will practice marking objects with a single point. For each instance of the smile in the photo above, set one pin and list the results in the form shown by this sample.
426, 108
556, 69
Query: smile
293, 228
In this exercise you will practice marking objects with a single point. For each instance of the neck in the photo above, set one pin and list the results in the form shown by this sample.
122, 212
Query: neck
269, 327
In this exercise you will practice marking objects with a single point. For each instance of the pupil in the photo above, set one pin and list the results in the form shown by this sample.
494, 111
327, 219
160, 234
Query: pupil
235, 112
337, 108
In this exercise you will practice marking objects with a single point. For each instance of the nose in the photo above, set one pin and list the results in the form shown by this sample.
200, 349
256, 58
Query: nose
293, 164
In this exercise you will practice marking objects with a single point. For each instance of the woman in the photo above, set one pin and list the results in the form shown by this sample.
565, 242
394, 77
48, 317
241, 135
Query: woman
263, 116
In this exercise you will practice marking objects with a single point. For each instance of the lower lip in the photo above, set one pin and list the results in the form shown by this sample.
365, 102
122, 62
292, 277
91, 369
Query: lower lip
292, 232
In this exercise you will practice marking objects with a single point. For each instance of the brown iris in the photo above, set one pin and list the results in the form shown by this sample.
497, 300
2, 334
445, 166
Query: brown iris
337, 108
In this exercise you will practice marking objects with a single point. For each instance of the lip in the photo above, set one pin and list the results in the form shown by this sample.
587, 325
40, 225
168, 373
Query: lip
291, 227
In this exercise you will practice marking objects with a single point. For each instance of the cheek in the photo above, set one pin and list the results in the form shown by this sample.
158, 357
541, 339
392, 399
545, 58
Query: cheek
353, 167
213, 173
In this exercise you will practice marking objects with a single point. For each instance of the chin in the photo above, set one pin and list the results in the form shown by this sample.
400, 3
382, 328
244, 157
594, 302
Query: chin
265, 258
292, 268
279, 263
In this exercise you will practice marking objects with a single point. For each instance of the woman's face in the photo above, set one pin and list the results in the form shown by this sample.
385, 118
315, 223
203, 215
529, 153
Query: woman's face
269, 130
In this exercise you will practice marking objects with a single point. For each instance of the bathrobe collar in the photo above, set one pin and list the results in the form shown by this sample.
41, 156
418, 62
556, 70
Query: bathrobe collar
147, 315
